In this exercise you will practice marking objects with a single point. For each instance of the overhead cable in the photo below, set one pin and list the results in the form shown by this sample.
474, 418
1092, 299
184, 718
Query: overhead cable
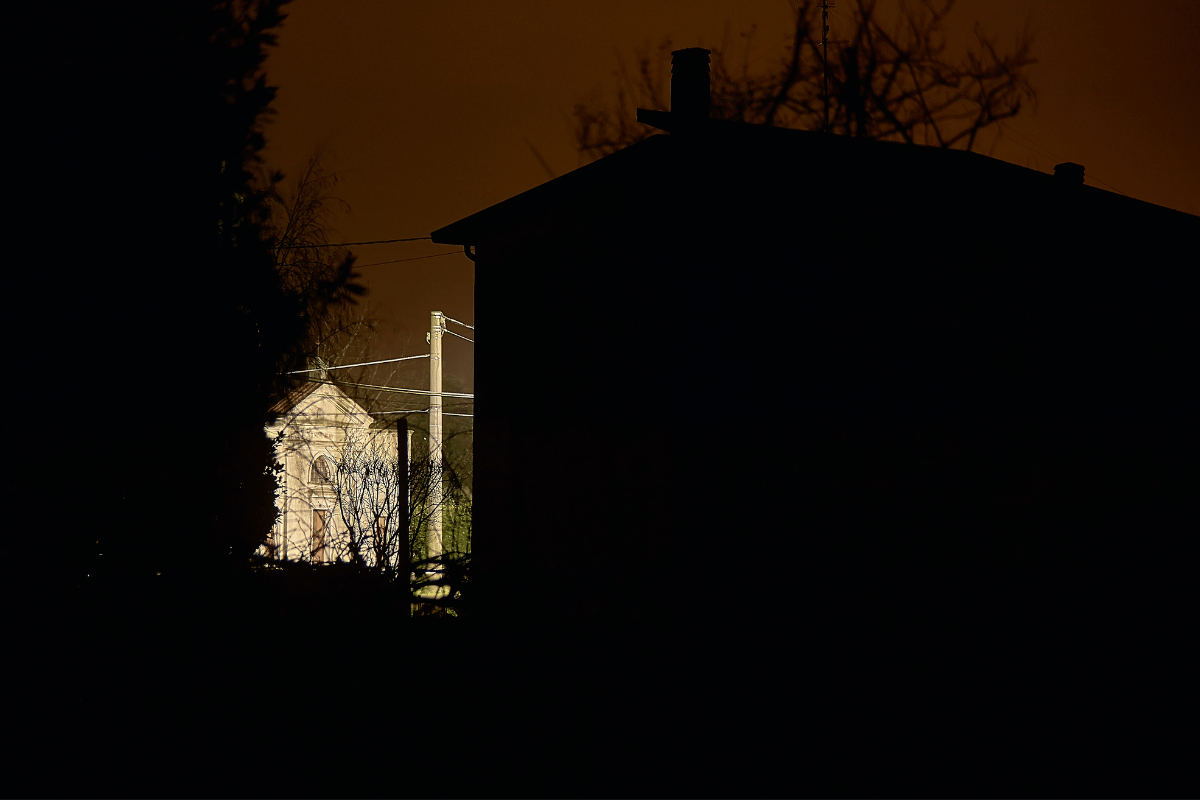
399, 260
411, 391
459, 335
363, 364
350, 244
424, 411
452, 319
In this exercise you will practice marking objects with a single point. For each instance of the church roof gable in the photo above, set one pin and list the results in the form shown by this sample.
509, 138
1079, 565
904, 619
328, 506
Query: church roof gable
316, 403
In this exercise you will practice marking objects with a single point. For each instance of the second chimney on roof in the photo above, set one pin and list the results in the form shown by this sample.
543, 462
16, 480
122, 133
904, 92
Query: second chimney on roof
690, 85
1069, 172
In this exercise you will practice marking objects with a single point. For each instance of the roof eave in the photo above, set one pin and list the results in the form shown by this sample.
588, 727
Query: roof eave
471, 230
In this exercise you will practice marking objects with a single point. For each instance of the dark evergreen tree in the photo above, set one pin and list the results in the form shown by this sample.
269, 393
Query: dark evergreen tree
146, 250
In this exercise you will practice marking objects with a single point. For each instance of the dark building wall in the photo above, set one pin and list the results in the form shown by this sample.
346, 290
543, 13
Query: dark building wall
719, 384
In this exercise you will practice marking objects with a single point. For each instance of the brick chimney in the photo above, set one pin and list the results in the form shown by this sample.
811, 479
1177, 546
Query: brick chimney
690, 85
690, 88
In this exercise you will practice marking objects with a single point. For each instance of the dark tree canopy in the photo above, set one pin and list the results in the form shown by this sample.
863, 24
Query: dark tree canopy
320, 275
150, 285
885, 81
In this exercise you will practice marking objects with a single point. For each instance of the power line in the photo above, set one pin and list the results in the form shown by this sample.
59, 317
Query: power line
452, 319
293, 416
351, 244
290, 417
423, 411
414, 258
459, 335
410, 391
363, 364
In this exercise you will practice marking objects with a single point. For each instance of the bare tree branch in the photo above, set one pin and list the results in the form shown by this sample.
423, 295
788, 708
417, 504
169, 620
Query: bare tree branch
898, 85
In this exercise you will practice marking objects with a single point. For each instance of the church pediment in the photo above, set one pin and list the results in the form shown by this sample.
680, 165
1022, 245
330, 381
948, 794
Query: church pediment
322, 404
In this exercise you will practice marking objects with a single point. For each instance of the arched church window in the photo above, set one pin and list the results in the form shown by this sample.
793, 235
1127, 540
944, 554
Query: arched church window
321, 473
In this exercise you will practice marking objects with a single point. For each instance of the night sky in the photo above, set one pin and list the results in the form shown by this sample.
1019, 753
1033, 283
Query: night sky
432, 111
777, 656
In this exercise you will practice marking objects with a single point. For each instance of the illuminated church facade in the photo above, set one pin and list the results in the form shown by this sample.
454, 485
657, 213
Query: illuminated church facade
342, 492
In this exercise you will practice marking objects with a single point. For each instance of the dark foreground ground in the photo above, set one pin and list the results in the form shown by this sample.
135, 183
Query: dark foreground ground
942, 688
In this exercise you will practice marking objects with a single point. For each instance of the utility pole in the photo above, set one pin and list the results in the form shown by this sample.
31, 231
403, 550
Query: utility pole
436, 326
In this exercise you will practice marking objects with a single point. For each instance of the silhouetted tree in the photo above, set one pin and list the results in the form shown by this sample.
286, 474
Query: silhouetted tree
377, 532
884, 82
141, 129
322, 276
369, 483
370, 495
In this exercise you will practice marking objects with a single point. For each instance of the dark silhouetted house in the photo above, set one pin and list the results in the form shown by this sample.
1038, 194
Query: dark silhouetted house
733, 369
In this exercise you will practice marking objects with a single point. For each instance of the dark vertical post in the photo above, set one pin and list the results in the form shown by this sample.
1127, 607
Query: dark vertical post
825, 58
403, 498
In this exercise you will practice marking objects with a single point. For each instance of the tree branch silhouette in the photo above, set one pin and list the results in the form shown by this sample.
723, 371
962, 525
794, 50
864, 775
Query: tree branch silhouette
894, 82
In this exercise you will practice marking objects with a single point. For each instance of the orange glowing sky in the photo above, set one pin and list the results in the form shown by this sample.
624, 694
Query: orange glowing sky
432, 110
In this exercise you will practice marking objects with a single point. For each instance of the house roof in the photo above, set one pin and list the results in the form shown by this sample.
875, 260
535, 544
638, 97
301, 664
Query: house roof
719, 157
590, 179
